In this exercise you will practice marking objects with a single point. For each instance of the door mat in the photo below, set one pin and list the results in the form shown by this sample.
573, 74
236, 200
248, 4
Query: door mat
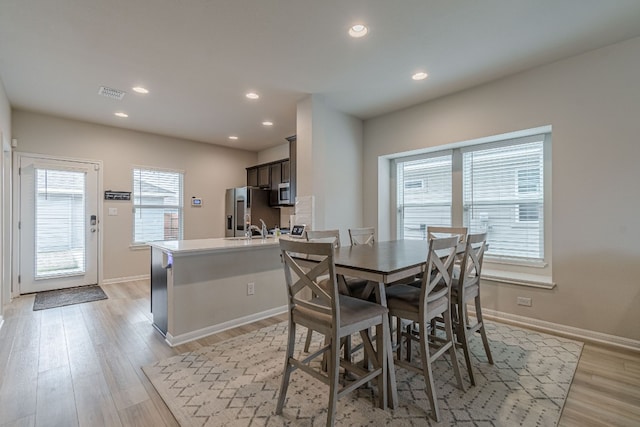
62, 297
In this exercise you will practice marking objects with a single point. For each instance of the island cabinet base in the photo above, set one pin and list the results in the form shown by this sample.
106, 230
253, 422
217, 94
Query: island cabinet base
159, 305
198, 293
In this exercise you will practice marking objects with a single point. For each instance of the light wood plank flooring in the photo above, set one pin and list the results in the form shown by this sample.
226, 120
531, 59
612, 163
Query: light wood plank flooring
80, 365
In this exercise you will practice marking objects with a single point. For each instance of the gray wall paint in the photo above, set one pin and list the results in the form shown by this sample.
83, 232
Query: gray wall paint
208, 169
591, 101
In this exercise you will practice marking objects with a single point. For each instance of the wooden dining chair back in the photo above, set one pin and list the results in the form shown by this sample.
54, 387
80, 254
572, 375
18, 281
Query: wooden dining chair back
335, 316
346, 285
420, 305
362, 236
437, 232
466, 289
332, 236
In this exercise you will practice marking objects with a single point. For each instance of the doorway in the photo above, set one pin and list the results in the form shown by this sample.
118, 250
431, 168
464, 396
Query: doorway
58, 224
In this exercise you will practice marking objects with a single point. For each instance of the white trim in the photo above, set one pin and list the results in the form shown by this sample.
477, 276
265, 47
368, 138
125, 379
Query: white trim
210, 330
125, 279
1, 322
139, 246
562, 330
518, 278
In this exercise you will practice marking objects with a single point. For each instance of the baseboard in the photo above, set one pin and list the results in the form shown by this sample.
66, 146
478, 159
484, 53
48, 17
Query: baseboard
562, 330
125, 279
210, 330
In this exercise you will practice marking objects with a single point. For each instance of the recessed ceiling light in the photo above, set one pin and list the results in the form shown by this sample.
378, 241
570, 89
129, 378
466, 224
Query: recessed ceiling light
252, 95
121, 114
267, 123
420, 76
233, 137
358, 30
140, 89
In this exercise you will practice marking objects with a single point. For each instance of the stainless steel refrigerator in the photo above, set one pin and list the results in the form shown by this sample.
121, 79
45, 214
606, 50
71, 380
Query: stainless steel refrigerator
246, 206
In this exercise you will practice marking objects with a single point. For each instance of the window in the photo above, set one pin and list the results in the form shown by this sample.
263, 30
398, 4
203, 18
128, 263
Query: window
498, 188
424, 194
502, 194
157, 205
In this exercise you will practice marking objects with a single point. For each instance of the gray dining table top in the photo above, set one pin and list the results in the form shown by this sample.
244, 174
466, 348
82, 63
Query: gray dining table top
383, 257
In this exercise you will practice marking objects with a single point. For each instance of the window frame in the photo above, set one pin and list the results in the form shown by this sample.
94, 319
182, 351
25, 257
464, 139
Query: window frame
179, 207
457, 205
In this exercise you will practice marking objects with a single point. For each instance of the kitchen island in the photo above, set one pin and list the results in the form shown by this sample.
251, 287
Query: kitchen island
200, 287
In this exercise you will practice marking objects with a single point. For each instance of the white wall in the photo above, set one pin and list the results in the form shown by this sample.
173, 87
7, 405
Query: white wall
330, 162
5, 202
592, 102
209, 170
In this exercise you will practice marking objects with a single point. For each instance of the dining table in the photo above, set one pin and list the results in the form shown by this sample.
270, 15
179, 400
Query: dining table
382, 264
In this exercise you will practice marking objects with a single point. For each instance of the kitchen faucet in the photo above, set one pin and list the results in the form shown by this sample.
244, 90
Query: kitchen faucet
264, 230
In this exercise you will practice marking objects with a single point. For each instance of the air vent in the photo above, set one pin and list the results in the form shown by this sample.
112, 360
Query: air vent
111, 93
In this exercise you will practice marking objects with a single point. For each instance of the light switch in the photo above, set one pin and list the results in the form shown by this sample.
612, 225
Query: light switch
113, 211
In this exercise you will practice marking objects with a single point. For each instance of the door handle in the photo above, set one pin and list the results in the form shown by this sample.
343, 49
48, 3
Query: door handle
93, 230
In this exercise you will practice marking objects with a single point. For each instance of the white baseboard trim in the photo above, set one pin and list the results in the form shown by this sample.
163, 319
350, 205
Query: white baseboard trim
210, 330
125, 279
562, 330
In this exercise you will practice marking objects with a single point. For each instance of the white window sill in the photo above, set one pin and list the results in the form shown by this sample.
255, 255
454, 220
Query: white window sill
139, 247
517, 278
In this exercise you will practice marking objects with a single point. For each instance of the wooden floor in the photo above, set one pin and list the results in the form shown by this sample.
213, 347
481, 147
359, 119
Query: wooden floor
80, 365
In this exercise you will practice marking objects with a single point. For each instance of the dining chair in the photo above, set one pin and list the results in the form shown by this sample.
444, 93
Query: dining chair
362, 236
334, 315
466, 289
422, 305
347, 286
434, 232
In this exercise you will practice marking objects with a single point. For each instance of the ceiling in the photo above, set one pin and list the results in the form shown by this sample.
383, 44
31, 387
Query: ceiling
198, 58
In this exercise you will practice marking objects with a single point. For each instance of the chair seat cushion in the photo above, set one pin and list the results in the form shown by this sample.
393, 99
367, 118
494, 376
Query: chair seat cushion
352, 310
407, 298
470, 291
356, 288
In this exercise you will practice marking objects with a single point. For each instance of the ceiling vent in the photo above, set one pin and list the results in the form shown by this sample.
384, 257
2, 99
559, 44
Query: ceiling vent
111, 93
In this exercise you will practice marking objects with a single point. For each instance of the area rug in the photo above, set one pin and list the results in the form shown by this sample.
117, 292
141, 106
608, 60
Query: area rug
61, 297
236, 383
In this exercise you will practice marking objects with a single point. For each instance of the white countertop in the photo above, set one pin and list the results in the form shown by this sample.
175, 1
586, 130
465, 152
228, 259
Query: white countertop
186, 247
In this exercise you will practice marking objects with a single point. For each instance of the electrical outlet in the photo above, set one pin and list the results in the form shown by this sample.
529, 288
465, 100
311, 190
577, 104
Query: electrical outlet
251, 288
524, 301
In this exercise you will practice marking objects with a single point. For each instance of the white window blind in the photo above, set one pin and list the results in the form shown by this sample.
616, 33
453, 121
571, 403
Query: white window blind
503, 193
157, 205
423, 195
60, 223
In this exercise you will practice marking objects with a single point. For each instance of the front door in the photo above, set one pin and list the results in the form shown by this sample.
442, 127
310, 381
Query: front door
58, 223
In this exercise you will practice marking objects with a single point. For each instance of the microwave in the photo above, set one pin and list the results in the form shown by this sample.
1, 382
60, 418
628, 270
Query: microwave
284, 194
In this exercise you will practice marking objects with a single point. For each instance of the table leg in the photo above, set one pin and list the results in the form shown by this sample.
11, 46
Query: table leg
392, 388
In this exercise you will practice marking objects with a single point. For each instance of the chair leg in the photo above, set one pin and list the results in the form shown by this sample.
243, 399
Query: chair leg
307, 342
398, 337
463, 339
452, 349
410, 328
427, 372
483, 332
382, 338
334, 374
286, 375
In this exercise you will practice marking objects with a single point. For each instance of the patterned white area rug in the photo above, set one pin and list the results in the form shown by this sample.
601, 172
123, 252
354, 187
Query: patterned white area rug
235, 383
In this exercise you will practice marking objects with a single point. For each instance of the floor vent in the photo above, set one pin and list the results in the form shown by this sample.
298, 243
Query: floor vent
111, 93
